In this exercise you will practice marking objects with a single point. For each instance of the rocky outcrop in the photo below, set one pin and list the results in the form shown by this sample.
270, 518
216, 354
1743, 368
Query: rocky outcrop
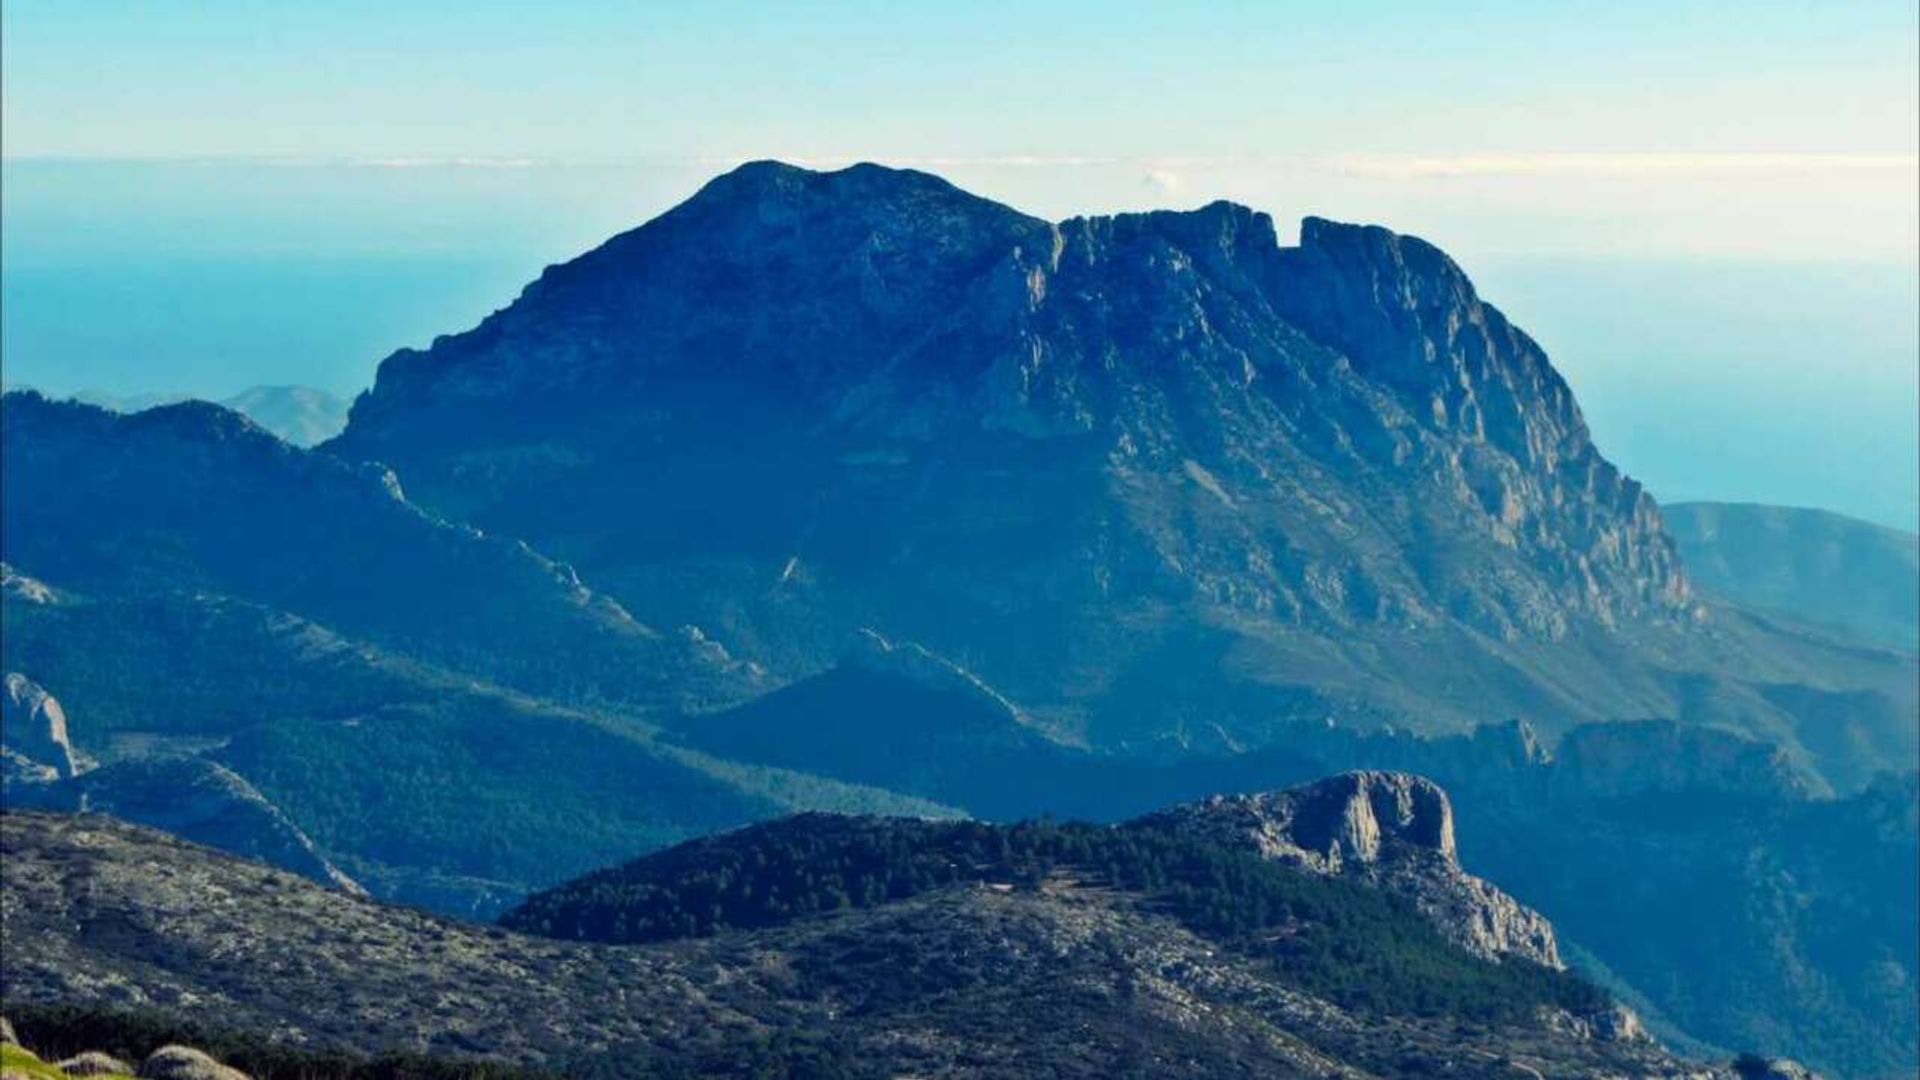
1391, 829
913, 663
19, 586
1616, 1023
173, 1062
94, 1063
185, 1063
33, 731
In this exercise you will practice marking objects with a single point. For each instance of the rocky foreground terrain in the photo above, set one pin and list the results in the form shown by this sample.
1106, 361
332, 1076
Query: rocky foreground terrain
1061, 974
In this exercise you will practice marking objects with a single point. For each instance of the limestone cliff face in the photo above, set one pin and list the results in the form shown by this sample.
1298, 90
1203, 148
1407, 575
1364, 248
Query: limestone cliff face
1626, 760
1080, 455
1392, 829
33, 731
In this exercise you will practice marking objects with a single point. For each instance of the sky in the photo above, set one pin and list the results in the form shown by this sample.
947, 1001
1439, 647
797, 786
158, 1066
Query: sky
1706, 211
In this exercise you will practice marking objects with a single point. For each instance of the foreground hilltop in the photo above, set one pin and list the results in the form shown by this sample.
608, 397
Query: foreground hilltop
960, 951
1161, 480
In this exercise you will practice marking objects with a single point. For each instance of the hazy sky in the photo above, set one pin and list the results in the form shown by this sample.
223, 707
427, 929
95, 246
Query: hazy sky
1707, 211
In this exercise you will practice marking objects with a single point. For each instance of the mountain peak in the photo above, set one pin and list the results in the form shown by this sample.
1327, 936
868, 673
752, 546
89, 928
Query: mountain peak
1354, 817
865, 370
775, 197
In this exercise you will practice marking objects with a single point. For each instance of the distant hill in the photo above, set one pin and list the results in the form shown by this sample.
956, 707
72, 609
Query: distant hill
302, 415
1825, 568
195, 497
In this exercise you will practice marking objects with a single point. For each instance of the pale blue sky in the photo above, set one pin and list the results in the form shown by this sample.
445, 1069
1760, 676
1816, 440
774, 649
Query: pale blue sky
1706, 210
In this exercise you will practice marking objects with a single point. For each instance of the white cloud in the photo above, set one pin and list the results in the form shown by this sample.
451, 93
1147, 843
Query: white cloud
1164, 181
1408, 166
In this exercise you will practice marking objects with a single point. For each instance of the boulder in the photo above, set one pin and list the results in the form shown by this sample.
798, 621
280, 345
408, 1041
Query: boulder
95, 1063
186, 1063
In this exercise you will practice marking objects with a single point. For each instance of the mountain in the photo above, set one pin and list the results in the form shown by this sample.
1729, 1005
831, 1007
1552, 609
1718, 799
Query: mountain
850, 491
301, 415
1825, 568
1164, 483
196, 497
896, 715
1047, 967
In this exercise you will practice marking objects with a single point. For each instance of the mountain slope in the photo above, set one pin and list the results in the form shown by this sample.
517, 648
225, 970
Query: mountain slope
424, 785
1834, 571
193, 496
1058, 979
1165, 483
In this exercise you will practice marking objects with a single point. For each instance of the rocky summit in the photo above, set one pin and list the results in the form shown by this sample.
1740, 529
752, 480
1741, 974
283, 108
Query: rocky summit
1159, 479
1393, 830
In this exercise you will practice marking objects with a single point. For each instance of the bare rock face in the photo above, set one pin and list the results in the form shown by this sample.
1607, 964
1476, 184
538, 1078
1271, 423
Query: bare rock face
1626, 760
33, 728
1392, 829
915, 664
32, 590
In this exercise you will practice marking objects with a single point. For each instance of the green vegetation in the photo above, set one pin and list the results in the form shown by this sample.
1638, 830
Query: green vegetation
17, 1061
393, 766
499, 787
59, 1031
1353, 945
